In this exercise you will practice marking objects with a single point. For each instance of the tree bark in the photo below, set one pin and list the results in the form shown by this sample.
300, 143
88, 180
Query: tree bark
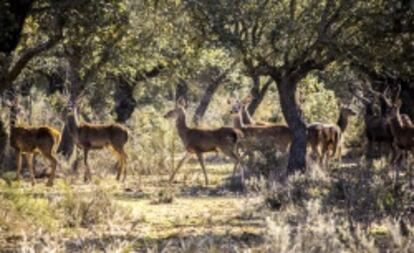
293, 115
205, 101
3, 139
258, 93
124, 100
209, 93
181, 91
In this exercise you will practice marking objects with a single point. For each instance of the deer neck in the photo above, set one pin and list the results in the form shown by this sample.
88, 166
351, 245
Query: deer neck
237, 120
245, 117
342, 122
396, 122
396, 125
73, 125
182, 127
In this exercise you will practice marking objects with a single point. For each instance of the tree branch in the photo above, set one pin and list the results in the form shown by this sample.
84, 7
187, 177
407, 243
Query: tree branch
25, 57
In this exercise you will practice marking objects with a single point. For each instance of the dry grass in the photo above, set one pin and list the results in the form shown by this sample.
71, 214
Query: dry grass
147, 215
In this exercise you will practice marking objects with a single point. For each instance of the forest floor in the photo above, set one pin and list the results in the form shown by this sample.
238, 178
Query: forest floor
155, 214
351, 206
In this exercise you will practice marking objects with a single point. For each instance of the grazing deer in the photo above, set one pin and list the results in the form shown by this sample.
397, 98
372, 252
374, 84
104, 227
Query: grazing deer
403, 134
28, 141
328, 137
98, 136
199, 141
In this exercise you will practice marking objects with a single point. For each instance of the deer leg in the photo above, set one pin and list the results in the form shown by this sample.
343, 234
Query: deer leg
75, 163
201, 160
185, 157
53, 164
339, 153
87, 175
236, 158
19, 164
124, 166
121, 165
29, 159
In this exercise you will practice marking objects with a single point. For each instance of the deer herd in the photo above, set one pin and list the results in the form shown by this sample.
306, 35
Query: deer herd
386, 127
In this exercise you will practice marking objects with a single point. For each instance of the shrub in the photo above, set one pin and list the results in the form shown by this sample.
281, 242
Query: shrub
88, 209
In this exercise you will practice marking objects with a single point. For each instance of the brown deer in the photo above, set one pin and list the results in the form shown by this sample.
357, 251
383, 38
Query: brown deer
328, 137
28, 141
258, 135
199, 141
403, 134
377, 125
98, 136
240, 108
268, 135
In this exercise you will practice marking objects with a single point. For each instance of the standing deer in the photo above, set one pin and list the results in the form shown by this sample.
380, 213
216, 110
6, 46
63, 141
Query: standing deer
28, 141
265, 135
98, 136
199, 141
328, 137
377, 125
258, 135
240, 109
403, 134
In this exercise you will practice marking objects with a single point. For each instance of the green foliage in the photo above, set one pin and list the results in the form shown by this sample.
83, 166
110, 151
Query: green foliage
318, 103
20, 211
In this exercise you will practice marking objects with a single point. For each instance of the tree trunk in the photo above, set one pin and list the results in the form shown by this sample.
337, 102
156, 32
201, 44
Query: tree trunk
258, 93
125, 102
294, 118
209, 93
205, 101
3, 139
181, 91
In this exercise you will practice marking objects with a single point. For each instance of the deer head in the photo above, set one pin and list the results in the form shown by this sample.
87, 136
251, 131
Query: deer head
178, 110
395, 109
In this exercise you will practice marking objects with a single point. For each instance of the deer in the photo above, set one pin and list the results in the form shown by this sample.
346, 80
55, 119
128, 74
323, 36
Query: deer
258, 135
29, 141
403, 134
199, 141
377, 125
240, 108
89, 137
328, 137
268, 135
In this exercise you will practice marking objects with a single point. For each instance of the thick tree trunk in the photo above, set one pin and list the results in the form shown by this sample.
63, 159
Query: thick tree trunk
293, 115
125, 102
3, 139
258, 93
